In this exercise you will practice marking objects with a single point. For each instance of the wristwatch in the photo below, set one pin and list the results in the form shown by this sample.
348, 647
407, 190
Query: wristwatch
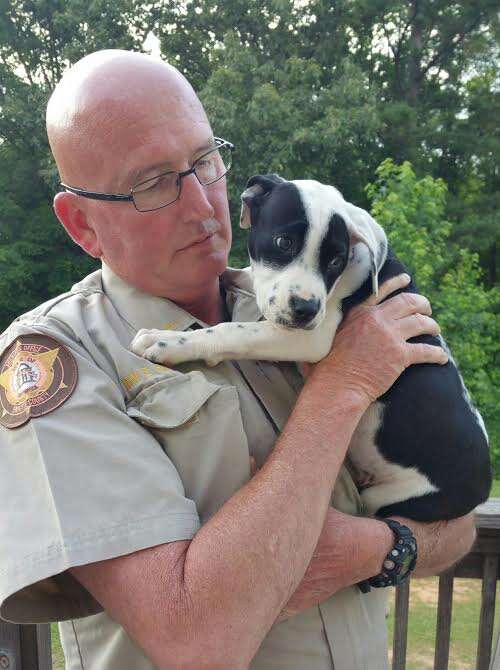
399, 562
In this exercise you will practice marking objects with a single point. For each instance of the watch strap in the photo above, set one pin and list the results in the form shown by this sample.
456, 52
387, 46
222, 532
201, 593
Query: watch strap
399, 562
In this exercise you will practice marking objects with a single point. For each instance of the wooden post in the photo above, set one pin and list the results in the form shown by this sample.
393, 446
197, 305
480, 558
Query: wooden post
443, 625
487, 616
25, 647
401, 626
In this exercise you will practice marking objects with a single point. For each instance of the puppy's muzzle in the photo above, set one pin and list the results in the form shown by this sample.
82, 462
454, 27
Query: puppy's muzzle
303, 311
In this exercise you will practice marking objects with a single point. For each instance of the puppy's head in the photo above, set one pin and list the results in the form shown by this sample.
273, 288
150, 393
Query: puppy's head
302, 238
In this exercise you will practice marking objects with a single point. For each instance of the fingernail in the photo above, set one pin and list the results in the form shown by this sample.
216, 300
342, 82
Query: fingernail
406, 277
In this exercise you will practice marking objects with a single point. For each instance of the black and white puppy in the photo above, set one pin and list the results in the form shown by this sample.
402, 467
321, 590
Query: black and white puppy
313, 257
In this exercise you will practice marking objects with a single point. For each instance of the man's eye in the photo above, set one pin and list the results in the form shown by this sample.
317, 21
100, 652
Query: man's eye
284, 243
158, 183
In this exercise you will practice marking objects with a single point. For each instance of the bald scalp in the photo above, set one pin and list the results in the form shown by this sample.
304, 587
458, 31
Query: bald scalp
104, 97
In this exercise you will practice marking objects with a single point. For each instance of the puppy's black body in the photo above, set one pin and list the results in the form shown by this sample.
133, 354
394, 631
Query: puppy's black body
430, 424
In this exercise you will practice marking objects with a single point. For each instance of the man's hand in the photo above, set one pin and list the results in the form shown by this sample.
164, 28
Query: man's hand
370, 349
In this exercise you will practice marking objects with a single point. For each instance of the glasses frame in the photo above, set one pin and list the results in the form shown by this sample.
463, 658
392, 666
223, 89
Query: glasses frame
129, 197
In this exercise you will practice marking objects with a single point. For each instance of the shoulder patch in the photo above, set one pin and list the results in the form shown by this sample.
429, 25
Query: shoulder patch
37, 374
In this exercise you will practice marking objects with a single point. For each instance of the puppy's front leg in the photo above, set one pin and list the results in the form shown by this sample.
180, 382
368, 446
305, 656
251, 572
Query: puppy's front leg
256, 341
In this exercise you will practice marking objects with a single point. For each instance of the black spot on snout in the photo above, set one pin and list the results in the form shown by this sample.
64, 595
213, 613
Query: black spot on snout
334, 251
278, 214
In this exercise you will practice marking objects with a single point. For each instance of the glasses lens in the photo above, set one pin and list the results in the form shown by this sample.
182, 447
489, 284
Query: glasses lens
156, 192
213, 165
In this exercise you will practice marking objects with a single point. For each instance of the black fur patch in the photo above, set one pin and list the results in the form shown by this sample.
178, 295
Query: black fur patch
281, 215
335, 245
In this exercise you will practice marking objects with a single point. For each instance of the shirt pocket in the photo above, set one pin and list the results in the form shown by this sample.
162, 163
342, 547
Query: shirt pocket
199, 426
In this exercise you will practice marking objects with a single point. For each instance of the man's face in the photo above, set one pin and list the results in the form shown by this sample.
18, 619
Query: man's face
178, 250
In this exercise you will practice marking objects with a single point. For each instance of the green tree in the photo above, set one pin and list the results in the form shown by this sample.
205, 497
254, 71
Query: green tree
286, 120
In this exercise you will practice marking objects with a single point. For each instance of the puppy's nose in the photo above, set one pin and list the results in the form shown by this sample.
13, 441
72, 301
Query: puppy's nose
302, 310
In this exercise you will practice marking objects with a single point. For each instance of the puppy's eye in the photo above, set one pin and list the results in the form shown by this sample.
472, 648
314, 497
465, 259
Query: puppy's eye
284, 243
335, 263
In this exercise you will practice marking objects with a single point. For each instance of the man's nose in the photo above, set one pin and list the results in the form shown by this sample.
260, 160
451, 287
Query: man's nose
193, 199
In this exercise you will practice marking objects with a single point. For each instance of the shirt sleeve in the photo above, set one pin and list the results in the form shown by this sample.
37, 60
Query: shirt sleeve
80, 484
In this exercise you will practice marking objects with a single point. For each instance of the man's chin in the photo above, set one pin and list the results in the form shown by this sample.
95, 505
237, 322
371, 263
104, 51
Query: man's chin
212, 265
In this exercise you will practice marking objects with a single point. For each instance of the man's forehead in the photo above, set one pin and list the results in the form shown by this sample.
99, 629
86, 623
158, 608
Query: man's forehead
106, 113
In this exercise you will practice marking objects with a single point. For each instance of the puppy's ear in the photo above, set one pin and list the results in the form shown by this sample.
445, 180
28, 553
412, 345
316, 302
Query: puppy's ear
363, 228
257, 186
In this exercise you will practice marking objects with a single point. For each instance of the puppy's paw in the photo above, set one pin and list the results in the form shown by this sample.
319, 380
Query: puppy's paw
143, 340
165, 347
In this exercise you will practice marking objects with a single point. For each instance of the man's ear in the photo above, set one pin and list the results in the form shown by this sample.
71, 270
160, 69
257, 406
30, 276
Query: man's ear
257, 186
363, 228
67, 207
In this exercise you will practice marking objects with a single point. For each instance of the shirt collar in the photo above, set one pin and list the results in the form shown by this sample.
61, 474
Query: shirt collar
142, 310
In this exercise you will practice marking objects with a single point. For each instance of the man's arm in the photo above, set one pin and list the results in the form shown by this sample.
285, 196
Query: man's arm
441, 544
351, 549
210, 602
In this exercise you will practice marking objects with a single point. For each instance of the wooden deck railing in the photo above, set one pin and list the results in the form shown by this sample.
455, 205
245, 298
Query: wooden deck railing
28, 647
480, 563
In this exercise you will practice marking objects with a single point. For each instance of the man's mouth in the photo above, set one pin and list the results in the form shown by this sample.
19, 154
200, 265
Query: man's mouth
197, 242
208, 230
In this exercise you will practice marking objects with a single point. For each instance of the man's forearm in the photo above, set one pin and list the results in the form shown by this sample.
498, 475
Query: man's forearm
441, 543
351, 549
246, 562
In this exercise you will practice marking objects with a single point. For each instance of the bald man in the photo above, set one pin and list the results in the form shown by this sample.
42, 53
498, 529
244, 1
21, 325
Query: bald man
128, 511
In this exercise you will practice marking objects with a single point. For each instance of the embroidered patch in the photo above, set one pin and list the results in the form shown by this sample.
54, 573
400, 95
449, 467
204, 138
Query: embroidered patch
37, 374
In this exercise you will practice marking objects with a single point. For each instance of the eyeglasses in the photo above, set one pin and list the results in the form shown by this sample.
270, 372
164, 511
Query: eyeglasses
165, 188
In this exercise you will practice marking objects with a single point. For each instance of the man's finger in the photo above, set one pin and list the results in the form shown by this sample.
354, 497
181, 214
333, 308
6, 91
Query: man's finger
425, 353
417, 324
405, 304
388, 287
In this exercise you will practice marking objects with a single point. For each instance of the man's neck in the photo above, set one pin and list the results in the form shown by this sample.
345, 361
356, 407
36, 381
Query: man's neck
209, 308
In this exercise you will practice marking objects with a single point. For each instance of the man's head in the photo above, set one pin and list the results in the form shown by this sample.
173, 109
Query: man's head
115, 119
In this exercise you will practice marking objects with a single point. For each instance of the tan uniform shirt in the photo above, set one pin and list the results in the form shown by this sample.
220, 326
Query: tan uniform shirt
138, 455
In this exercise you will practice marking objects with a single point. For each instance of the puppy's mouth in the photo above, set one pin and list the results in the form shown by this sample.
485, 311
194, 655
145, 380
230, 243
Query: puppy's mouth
290, 324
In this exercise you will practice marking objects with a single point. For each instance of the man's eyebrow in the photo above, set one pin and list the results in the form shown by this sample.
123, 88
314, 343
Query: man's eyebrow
134, 177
